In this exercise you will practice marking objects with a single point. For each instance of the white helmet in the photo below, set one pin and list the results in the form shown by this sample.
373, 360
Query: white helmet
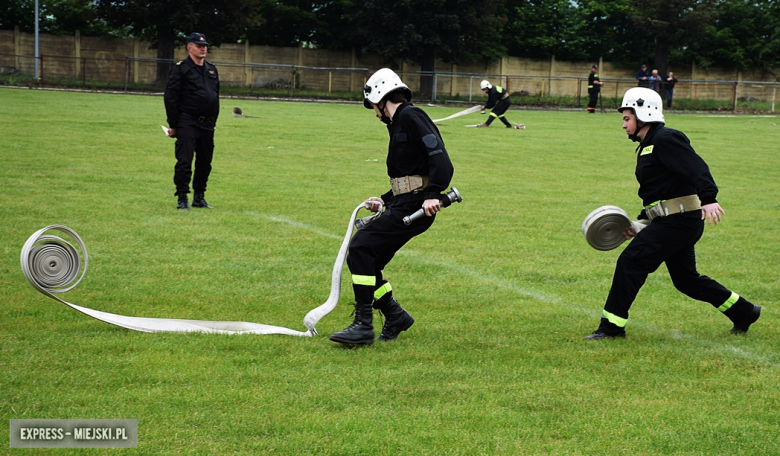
485, 84
380, 84
646, 103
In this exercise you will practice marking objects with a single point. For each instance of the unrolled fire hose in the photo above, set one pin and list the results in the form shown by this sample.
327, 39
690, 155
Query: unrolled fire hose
603, 228
53, 265
461, 113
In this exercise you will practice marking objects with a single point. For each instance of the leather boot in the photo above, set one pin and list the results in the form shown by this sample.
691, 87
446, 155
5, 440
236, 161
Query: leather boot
607, 330
361, 331
183, 205
743, 314
396, 319
199, 201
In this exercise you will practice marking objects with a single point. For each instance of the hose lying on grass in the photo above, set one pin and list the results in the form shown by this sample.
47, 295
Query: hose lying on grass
53, 265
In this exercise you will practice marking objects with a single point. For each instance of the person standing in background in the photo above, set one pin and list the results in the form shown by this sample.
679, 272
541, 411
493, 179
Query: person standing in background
643, 77
192, 106
669, 86
594, 87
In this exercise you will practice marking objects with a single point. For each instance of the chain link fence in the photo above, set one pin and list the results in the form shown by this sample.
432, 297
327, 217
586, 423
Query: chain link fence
257, 79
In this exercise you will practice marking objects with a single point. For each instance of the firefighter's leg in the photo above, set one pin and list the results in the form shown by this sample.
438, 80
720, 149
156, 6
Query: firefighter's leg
682, 269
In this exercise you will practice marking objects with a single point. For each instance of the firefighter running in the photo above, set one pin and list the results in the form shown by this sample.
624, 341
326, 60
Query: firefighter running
678, 192
419, 169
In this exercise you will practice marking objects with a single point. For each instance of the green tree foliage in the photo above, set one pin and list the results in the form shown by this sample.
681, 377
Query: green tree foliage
168, 23
745, 35
424, 30
672, 24
57, 17
539, 29
323, 24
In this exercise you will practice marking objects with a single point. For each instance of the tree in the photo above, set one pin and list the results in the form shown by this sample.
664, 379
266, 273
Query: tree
55, 17
745, 35
318, 24
672, 24
167, 23
539, 29
424, 30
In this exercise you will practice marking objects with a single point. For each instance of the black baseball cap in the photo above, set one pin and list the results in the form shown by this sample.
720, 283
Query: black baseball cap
595, 66
197, 38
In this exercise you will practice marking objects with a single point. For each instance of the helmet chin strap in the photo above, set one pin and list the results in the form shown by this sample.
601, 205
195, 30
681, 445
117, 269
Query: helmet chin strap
385, 120
639, 126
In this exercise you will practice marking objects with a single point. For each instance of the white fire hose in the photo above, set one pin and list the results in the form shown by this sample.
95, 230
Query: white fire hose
604, 227
458, 114
53, 265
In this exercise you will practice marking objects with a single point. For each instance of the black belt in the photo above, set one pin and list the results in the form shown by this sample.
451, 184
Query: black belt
205, 119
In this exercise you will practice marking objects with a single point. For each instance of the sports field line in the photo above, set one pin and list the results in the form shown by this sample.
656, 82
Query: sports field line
769, 358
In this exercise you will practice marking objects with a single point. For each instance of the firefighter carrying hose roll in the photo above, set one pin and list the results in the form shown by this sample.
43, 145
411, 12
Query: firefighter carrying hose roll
678, 193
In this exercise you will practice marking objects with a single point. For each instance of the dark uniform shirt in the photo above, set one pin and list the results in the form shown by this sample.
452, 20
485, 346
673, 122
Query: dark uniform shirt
643, 74
416, 148
593, 77
667, 167
495, 94
192, 95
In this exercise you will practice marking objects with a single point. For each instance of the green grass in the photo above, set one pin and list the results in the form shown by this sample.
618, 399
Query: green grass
503, 288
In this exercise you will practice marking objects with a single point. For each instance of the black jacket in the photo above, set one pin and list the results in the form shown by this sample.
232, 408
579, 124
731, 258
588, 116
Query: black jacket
593, 77
667, 167
416, 148
192, 92
496, 94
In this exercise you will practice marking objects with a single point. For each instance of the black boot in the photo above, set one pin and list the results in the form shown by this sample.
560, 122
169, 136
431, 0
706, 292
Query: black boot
743, 314
396, 319
361, 331
199, 201
183, 205
607, 330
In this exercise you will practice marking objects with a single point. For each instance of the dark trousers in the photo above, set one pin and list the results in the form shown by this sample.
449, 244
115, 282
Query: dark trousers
669, 96
498, 112
372, 248
669, 240
193, 143
594, 97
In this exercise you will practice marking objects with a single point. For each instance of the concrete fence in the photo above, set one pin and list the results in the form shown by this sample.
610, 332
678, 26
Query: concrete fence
127, 62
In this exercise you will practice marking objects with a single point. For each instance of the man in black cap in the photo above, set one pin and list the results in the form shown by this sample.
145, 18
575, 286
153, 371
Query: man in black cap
594, 87
192, 107
643, 77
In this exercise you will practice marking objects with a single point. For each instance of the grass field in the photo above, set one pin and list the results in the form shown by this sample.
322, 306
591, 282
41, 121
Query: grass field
503, 288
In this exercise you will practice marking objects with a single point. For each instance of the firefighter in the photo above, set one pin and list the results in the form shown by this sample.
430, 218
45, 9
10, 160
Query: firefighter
419, 169
594, 87
498, 99
679, 193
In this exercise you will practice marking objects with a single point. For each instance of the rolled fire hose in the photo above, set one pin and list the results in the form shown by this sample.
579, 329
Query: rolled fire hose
603, 228
53, 265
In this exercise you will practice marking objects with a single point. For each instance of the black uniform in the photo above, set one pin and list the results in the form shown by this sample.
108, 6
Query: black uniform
668, 167
669, 83
643, 73
416, 148
498, 97
593, 90
192, 107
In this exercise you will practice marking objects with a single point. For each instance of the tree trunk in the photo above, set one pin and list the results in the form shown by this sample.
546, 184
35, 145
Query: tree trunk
426, 78
165, 42
662, 60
